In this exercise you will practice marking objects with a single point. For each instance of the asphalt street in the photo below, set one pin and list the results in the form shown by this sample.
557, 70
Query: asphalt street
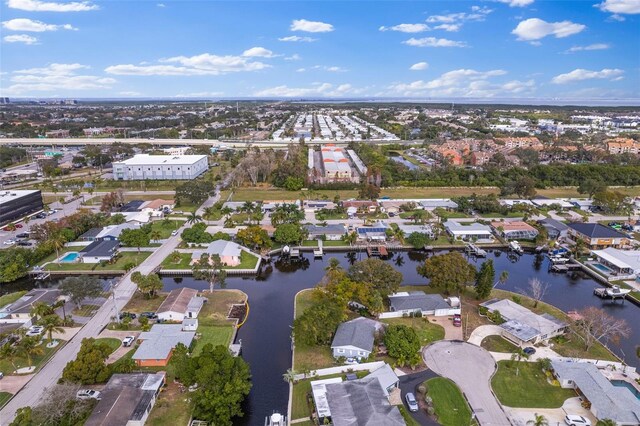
409, 383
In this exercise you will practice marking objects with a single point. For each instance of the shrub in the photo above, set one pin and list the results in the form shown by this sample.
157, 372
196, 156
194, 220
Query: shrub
517, 299
422, 389
431, 411
482, 310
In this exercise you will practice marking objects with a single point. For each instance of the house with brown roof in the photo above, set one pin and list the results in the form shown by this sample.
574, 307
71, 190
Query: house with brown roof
181, 303
159, 204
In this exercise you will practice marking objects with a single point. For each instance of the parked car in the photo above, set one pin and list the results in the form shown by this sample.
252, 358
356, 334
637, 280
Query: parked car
457, 320
1, 375
174, 233
128, 314
128, 341
529, 350
9, 242
150, 315
41, 216
88, 394
575, 420
35, 330
22, 235
19, 225
411, 402
25, 243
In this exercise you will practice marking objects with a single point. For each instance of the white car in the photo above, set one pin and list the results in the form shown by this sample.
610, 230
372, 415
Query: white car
35, 330
88, 394
174, 233
411, 402
127, 341
575, 420
9, 242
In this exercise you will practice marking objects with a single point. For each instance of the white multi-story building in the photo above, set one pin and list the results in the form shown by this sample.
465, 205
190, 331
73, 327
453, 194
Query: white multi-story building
160, 167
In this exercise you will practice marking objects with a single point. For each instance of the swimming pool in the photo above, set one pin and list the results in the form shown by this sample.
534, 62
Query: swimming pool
624, 384
602, 268
70, 257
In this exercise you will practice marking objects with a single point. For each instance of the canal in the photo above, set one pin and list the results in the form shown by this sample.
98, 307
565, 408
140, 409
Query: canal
266, 333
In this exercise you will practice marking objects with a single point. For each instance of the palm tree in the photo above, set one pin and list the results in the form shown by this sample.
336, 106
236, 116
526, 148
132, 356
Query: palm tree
247, 207
226, 211
333, 266
289, 376
155, 235
504, 276
351, 238
52, 324
61, 304
193, 218
166, 222
10, 353
518, 356
40, 310
57, 242
208, 212
606, 422
29, 347
539, 420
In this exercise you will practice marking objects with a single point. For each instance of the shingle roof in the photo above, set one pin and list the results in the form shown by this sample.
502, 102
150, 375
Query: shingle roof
359, 333
386, 377
334, 229
158, 343
361, 403
596, 230
26, 302
219, 247
554, 224
178, 300
609, 401
417, 300
101, 248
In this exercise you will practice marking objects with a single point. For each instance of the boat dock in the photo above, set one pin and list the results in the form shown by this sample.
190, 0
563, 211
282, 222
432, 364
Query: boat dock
377, 251
318, 252
294, 253
605, 293
475, 250
565, 267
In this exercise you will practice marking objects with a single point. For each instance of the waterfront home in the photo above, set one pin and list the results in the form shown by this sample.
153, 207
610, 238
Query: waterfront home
319, 392
522, 326
377, 232
99, 251
419, 303
615, 263
597, 236
181, 303
605, 400
228, 251
333, 232
468, 231
555, 228
112, 232
514, 230
20, 310
127, 399
361, 402
354, 339
158, 344
438, 203
419, 229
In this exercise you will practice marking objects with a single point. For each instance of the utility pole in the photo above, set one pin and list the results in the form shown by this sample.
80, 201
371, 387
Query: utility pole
115, 305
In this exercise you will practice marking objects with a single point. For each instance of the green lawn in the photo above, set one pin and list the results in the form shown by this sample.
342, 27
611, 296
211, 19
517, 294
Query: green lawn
299, 407
427, 332
111, 341
11, 298
21, 361
451, 407
165, 228
529, 389
445, 214
216, 335
4, 397
183, 263
309, 357
508, 215
172, 407
407, 416
186, 207
123, 259
247, 261
498, 344
330, 215
139, 303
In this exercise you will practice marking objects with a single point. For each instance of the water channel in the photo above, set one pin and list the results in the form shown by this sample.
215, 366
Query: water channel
266, 333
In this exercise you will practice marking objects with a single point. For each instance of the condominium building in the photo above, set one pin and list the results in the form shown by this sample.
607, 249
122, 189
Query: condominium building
160, 167
335, 163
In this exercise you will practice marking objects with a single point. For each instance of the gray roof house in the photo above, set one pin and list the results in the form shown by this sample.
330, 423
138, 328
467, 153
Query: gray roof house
228, 251
99, 250
21, 308
158, 344
361, 403
522, 326
330, 232
112, 232
434, 203
555, 228
127, 399
387, 378
355, 338
418, 301
607, 401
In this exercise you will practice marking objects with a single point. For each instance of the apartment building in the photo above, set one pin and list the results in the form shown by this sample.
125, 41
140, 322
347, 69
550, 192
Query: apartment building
160, 167
622, 145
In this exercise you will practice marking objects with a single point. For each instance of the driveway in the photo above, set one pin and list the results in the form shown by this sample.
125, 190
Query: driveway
13, 384
471, 368
478, 335
409, 383
555, 416
450, 331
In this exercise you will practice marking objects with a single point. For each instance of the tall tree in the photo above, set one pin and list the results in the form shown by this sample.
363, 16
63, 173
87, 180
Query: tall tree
449, 272
90, 366
484, 281
595, 325
29, 346
52, 324
382, 277
79, 288
402, 343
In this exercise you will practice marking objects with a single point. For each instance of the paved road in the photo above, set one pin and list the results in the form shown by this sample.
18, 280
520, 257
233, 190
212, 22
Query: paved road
409, 383
33, 392
471, 368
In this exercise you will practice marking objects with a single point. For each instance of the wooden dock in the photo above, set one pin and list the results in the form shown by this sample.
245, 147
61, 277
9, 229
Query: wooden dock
565, 267
377, 251
474, 250
318, 251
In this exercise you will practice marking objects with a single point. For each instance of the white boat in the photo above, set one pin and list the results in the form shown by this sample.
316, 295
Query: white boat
616, 291
515, 247
558, 259
276, 419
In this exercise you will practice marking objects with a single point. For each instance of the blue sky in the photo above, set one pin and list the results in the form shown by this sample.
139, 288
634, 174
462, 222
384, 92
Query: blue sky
580, 49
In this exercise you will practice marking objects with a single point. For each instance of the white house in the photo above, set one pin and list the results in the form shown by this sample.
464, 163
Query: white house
468, 231
418, 302
181, 303
625, 263
354, 339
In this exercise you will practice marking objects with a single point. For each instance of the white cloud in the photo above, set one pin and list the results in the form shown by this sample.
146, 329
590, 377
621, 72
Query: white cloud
294, 57
464, 83
24, 24
44, 6
301, 70
419, 66
630, 7
316, 90
55, 77
327, 68
311, 26
516, 3
582, 74
258, 52
298, 38
20, 38
129, 93
406, 28
448, 27
161, 5
536, 29
595, 46
204, 64
455, 20
433, 42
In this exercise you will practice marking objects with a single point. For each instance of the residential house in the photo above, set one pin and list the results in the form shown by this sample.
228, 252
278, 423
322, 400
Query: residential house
112, 232
622, 146
606, 401
132, 206
233, 205
438, 203
514, 230
127, 399
597, 236
377, 232
190, 324
90, 235
354, 339
419, 229
229, 252
159, 205
20, 310
540, 201
481, 158
318, 205
158, 344
522, 326
181, 303
613, 263
99, 251
361, 402
365, 206
468, 231
420, 303
387, 378
333, 232
555, 229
